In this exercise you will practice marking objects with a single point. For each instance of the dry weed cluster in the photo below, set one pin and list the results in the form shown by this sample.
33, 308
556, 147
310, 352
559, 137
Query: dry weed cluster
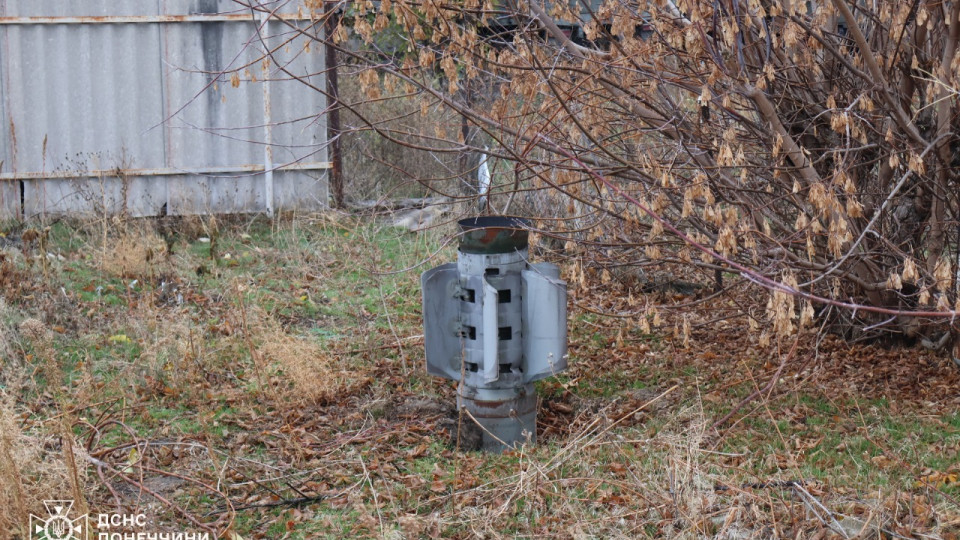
35, 464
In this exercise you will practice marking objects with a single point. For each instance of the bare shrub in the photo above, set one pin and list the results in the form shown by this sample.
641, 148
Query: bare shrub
381, 162
808, 148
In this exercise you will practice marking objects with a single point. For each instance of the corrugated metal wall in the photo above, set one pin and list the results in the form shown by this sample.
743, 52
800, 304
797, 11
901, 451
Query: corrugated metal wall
128, 105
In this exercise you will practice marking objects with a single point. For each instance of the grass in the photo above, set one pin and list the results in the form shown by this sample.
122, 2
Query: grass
262, 378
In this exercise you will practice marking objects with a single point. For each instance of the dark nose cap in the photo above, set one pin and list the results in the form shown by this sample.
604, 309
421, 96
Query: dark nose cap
493, 234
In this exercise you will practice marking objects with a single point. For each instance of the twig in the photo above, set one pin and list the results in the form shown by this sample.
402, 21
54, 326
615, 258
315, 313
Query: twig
870, 59
763, 485
272, 504
806, 496
386, 311
288, 502
571, 445
835, 526
373, 492
103, 480
208, 487
765, 390
152, 493
745, 271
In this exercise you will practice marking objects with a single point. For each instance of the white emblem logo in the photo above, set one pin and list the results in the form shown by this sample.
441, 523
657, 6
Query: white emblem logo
58, 525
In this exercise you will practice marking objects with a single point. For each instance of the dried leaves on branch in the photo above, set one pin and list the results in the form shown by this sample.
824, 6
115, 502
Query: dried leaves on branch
812, 142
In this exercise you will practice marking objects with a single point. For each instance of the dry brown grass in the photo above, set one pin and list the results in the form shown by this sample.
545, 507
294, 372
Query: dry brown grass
36, 463
308, 373
34, 468
316, 376
8, 336
13, 495
133, 253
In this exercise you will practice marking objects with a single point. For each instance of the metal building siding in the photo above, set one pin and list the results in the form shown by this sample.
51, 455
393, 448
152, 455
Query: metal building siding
79, 89
76, 8
304, 122
234, 115
146, 96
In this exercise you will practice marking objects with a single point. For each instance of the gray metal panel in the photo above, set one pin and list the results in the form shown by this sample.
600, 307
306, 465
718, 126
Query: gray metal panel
144, 195
544, 322
297, 121
226, 125
299, 125
305, 191
99, 92
139, 196
9, 200
217, 124
9, 191
509, 352
79, 8
490, 337
215, 194
79, 88
88, 196
136, 196
4, 79
440, 321
191, 7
